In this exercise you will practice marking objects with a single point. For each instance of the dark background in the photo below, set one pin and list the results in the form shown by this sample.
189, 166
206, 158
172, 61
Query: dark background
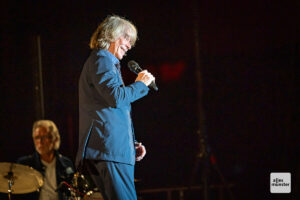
248, 54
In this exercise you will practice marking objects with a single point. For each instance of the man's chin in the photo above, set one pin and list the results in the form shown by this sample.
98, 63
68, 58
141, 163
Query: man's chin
120, 56
41, 151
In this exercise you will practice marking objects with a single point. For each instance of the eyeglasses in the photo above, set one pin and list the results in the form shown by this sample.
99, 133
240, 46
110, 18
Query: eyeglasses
44, 137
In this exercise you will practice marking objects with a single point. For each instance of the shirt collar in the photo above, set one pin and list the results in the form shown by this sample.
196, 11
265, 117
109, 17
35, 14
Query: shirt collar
104, 52
52, 163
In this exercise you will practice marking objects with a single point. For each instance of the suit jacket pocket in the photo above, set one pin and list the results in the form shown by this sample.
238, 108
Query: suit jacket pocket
98, 136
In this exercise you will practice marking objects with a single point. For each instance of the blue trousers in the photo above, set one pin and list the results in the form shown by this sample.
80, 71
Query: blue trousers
114, 180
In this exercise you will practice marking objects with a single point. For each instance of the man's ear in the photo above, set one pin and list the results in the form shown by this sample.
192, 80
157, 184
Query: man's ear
55, 140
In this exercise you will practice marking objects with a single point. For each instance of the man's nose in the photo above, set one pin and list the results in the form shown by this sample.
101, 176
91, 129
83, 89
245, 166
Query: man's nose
128, 46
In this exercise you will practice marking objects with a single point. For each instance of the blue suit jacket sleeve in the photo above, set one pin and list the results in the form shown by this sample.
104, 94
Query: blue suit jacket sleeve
108, 82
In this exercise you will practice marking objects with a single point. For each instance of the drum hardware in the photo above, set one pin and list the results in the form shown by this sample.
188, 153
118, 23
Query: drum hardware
81, 188
19, 179
10, 177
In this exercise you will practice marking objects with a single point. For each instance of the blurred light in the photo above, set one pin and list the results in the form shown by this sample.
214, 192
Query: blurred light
172, 72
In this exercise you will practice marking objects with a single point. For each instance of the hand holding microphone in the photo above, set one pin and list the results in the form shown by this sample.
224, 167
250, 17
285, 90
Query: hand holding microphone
143, 75
146, 77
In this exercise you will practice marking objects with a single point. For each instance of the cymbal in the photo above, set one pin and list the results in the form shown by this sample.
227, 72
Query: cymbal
25, 179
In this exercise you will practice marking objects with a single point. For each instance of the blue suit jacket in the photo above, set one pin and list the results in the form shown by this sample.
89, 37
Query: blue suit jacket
105, 125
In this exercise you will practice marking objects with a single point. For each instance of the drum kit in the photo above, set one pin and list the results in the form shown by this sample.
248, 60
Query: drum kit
22, 179
19, 179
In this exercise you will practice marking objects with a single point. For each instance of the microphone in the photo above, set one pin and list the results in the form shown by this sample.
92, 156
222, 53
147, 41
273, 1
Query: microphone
135, 68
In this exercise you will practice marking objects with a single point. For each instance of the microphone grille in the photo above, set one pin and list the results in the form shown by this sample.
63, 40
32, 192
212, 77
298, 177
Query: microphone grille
134, 67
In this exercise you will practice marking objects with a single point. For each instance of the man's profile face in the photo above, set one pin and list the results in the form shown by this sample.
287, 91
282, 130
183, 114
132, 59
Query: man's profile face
43, 141
119, 47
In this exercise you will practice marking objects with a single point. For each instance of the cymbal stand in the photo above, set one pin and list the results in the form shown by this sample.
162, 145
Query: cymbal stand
10, 177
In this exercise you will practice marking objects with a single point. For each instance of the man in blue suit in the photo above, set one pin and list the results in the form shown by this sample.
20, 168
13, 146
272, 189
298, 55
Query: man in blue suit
107, 146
